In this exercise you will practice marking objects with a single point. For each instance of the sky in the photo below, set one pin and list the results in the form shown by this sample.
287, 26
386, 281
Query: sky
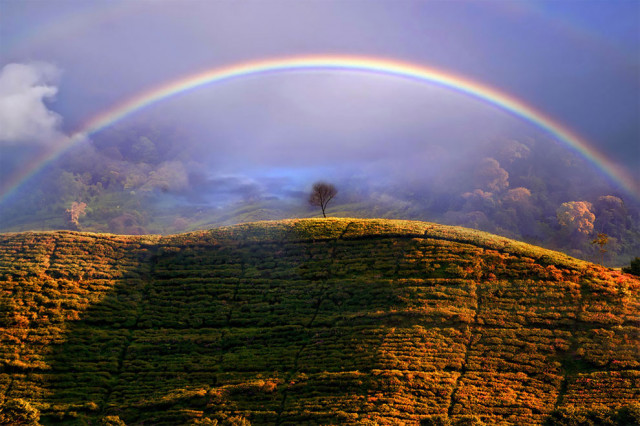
66, 62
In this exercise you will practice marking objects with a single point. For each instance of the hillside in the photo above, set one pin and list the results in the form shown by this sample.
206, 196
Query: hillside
314, 321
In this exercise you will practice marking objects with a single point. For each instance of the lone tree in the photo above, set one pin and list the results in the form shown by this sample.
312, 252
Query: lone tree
321, 194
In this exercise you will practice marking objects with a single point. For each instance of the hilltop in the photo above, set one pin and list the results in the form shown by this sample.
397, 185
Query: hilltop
312, 321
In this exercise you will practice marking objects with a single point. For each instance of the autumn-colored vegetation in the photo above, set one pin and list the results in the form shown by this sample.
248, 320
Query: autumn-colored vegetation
331, 321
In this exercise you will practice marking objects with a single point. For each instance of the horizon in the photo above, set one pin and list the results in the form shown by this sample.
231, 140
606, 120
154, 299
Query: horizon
159, 118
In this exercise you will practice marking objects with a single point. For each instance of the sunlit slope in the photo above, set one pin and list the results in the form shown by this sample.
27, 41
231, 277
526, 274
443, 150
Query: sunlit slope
310, 321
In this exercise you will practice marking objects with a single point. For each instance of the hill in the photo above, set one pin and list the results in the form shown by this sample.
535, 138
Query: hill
312, 321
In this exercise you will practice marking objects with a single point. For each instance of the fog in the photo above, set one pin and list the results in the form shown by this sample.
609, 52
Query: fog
250, 148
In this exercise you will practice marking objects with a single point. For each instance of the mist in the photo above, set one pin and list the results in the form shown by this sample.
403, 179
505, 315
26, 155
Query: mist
251, 148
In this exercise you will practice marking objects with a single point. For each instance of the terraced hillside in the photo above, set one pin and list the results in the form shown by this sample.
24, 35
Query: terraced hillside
331, 321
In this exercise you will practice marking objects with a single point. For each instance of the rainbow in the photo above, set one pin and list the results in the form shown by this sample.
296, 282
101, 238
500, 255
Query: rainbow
327, 63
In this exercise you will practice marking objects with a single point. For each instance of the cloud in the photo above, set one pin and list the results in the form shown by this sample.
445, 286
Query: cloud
24, 115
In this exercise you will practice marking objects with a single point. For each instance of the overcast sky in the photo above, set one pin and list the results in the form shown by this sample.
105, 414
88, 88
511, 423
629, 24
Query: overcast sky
66, 61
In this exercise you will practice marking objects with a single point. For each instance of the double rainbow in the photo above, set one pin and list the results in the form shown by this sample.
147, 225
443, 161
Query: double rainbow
328, 63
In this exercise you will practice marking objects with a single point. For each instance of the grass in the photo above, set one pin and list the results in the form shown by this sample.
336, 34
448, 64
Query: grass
311, 321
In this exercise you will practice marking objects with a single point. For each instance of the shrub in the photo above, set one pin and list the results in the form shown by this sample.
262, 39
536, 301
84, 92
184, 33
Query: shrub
468, 420
437, 420
633, 268
205, 421
629, 415
596, 416
112, 421
18, 412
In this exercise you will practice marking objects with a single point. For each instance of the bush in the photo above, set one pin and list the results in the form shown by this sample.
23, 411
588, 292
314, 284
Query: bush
237, 421
205, 421
468, 420
633, 268
597, 416
629, 415
18, 412
437, 420
112, 421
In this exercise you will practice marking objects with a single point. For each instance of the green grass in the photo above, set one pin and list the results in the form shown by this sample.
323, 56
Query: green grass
312, 321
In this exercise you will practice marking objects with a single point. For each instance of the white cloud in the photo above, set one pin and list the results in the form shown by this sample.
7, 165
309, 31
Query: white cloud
24, 115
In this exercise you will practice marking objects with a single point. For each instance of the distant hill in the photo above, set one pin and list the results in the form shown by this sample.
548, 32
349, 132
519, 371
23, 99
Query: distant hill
312, 321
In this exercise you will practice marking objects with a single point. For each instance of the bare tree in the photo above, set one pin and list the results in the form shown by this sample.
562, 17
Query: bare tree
321, 194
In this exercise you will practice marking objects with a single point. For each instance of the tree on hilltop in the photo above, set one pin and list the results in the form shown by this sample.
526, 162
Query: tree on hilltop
321, 194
